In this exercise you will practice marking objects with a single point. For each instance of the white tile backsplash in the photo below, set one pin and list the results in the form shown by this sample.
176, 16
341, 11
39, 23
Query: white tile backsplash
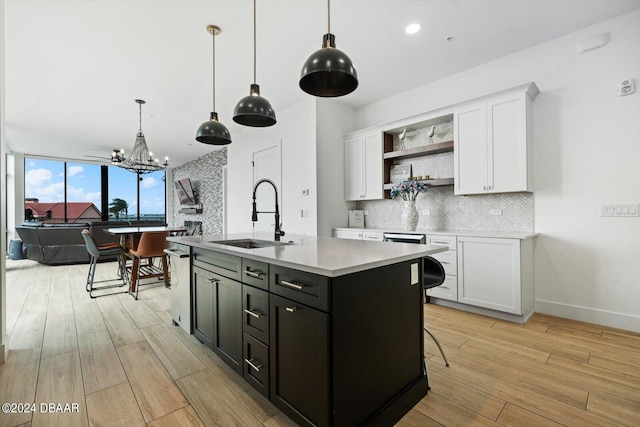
450, 212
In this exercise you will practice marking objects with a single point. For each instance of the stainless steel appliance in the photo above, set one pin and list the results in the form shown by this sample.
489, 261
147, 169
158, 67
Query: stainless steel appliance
180, 283
405, 238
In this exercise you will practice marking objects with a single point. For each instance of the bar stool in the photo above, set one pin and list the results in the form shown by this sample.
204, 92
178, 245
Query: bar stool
151, 245
433, 275
107, 250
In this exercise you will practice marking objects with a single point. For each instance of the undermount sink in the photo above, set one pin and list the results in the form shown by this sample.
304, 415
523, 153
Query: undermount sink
250, 243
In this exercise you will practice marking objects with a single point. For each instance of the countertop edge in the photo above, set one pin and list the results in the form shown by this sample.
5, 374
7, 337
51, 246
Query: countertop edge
522, 235
327, 272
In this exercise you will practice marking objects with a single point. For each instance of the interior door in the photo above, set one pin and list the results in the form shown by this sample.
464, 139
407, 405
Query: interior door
267, 164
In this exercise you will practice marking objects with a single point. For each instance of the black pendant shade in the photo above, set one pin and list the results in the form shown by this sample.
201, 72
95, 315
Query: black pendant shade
254, 110
328, 72
213, 132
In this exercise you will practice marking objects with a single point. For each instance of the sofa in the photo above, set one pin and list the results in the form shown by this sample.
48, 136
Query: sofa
62, 243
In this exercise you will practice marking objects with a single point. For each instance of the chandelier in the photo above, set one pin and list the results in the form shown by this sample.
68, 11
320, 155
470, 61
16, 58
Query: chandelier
140, 160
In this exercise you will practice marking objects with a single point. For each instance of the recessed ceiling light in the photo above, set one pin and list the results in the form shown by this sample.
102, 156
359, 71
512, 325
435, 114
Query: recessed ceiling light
413, 28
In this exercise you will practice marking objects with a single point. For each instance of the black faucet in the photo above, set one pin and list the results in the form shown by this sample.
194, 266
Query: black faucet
254, 215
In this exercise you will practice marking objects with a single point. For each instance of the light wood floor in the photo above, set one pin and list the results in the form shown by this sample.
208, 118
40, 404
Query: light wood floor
124, 363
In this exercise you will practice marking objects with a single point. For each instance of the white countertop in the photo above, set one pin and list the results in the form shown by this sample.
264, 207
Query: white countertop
326, 256
469, 233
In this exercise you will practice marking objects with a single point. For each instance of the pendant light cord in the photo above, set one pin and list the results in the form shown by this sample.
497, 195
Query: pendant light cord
213, 34
329, 16
254, 41
140, 117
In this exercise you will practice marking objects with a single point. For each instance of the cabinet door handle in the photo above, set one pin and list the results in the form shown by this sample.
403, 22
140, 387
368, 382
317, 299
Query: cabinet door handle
256, 367
484, 187
290, 309
253, 313
213, 280
254, 274
292, 285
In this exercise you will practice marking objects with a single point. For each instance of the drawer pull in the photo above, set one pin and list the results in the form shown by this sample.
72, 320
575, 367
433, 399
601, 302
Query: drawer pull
213, 280
256, 367
254, 274
444, 262
291, 285
435, 242
253, 313
290, 309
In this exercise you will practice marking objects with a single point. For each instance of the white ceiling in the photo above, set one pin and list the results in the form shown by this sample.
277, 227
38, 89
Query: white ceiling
73, 68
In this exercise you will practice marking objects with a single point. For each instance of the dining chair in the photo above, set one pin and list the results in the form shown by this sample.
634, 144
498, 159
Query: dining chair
151, 245
433, 275
96, 252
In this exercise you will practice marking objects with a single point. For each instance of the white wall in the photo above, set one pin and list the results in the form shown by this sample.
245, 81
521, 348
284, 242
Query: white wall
295, 130
586, 153
333, 121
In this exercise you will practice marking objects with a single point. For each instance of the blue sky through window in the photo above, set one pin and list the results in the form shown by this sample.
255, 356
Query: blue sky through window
44, 180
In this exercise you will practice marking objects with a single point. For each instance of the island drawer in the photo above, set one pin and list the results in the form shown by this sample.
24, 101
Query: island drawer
218, 262
255, 306
256, 364
255, 273
300, 286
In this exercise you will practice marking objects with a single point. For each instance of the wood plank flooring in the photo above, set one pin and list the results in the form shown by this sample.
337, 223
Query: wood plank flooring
124, 363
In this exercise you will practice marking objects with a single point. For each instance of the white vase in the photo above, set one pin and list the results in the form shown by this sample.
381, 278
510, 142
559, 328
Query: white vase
409, 216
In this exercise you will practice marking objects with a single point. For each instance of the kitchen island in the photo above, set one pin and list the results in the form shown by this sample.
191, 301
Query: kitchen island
329, 330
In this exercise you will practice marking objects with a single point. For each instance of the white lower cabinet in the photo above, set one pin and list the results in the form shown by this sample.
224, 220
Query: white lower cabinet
359, 234
348, 234
449, 288
496, 274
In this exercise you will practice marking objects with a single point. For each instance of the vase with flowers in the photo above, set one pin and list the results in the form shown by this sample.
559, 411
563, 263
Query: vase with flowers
408, 191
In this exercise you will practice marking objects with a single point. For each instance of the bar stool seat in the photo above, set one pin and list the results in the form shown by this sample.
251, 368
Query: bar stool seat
107, 250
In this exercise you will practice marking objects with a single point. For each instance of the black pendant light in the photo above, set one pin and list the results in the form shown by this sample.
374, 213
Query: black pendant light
328, 72
254, 110
212, 131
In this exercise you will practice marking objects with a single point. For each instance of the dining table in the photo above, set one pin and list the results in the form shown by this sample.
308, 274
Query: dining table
130, 236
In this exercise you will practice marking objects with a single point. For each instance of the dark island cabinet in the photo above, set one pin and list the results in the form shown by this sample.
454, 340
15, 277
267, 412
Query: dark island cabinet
328, 351
217, 314
299, 350
202, 291
227, 322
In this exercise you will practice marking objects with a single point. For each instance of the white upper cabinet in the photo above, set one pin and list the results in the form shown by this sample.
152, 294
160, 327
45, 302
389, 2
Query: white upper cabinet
363, 167
492, 143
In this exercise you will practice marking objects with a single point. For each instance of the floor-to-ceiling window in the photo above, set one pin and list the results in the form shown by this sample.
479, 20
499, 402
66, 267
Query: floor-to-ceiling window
61, 191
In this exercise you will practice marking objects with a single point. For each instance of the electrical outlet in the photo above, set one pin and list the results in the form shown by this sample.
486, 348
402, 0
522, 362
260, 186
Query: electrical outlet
366, 212
496, 211
619, 210
426, 212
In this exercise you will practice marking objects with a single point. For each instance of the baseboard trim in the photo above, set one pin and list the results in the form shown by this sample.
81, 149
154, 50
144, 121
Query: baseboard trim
612, 319
483, 311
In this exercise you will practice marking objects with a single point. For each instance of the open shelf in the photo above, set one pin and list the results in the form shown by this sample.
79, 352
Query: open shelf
425, 150
430, 182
